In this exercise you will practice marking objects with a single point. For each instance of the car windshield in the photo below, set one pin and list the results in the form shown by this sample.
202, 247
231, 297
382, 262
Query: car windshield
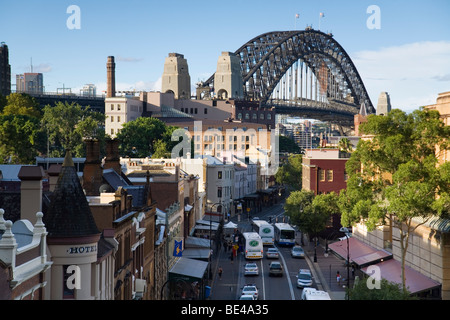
251, 265
276, 266
304, 276
298, 249
272, 250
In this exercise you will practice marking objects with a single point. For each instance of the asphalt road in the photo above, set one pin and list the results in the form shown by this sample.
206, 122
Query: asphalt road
270, 287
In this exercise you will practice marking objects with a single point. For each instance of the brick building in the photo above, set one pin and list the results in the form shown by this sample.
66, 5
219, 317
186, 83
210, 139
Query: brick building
323, 170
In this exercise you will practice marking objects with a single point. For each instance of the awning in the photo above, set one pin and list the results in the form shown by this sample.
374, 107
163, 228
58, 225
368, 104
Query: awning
197, 253
416, 282
230, 225
188, 269
360, 253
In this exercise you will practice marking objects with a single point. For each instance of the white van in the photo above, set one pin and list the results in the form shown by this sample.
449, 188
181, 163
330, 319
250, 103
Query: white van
314, 294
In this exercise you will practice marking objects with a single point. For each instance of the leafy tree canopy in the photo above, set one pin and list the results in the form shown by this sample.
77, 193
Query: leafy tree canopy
145, 137
66, 125
290, 173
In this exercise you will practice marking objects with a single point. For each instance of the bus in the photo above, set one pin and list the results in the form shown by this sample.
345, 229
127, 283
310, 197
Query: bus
284, 234
265, 231
253, 247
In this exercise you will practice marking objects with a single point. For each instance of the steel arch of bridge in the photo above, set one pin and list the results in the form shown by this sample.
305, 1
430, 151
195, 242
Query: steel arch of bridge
266, 58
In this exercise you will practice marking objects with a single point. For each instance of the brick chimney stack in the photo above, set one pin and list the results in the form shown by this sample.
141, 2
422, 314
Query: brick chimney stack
111, 77
93, 171
112, 159
31, 191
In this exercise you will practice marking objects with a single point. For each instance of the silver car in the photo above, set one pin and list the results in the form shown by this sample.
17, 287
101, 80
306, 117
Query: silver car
251, 269
304, 278
297, 252
272, 253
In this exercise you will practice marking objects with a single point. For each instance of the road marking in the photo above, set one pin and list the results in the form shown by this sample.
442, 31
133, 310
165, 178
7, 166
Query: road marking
287, 275
263, 284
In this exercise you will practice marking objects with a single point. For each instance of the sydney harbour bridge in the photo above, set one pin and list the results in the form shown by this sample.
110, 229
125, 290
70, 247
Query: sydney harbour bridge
302, 73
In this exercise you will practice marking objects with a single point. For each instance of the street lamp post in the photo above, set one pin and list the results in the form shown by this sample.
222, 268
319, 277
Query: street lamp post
347, 232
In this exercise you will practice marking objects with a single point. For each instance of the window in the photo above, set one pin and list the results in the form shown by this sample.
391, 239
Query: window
329, 175
254, 116
112, 118
112, 131
219, 174
239, 116
219, 192
118, 118
321, 175
112, 107
118, 107
345, 176
205, 111
269, 116
247, 116
261, 116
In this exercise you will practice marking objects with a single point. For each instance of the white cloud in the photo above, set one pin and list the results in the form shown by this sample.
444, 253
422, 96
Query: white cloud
413, 74
128, 59
123, 86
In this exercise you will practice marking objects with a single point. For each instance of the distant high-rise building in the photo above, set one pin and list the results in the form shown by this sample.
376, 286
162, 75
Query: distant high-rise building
384, 104
5, 70
89, 90
30, 82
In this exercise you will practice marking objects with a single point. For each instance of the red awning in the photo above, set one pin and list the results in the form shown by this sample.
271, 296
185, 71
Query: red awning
360, 253
416, 282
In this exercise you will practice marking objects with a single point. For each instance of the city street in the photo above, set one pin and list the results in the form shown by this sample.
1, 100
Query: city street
270, 288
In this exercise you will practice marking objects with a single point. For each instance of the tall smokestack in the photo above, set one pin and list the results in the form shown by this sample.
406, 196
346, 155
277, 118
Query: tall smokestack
111, 77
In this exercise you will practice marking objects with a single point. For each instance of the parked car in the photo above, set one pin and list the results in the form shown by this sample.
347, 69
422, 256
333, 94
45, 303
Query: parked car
275, 269
251, 269
250, 289
272, 253
304, 278
297, 252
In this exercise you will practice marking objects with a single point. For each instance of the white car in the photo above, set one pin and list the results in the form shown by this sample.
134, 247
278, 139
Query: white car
251, 269
250, 289
247, 297
272, 253
304, 278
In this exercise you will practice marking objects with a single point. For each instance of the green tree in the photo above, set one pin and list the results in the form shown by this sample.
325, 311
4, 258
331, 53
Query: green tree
21, 104
288, 145
296, 204
290, 173
18, 137
345, 145
386, 291
66, 125
144, 137
394, 178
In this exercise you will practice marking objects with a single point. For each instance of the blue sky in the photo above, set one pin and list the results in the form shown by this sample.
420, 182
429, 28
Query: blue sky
409, 56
